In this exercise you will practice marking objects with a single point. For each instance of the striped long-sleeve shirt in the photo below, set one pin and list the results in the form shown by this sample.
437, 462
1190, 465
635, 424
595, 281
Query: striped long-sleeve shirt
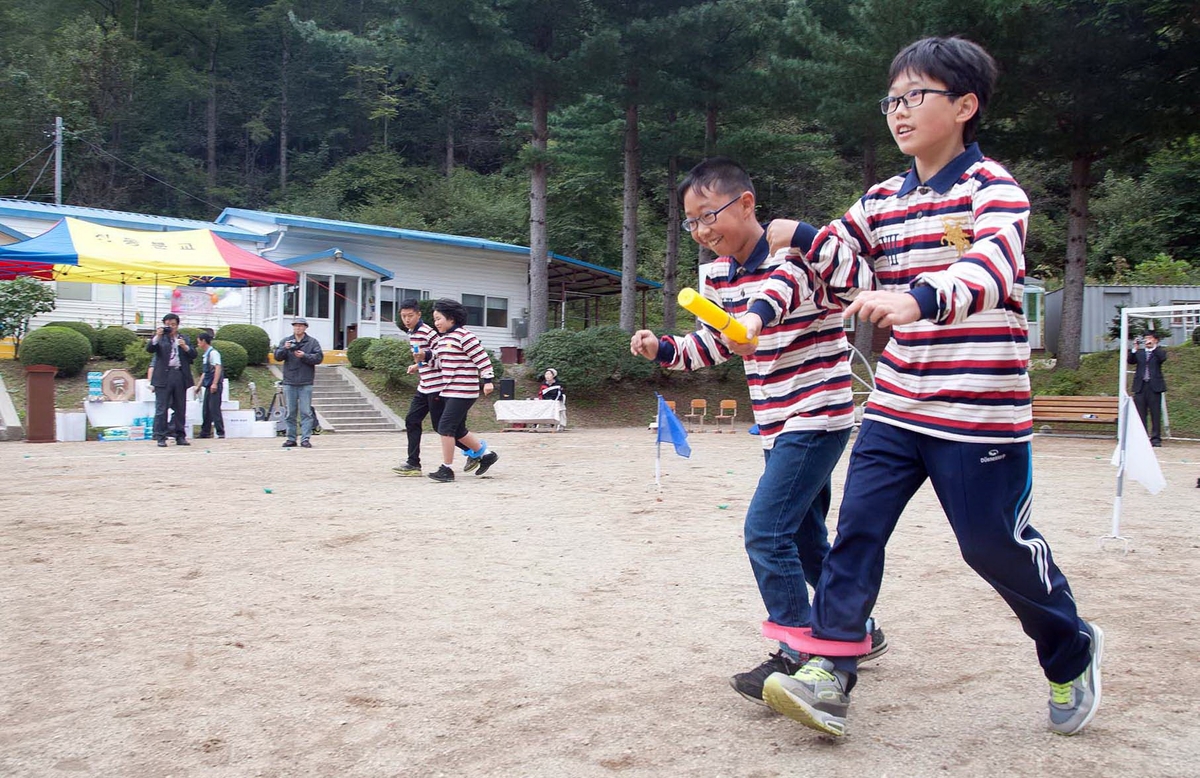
423, 338
462, 360
799, 377
956, 242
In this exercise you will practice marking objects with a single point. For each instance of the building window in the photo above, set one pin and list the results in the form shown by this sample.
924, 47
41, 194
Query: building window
368, 299
474, 303
291, 300
497, 312
316, 297
73, 290
1189, 321
392, 297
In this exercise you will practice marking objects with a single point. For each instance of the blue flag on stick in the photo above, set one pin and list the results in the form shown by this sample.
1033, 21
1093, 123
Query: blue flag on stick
671, 429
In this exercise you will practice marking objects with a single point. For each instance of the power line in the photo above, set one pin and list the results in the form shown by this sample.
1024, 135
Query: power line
26, 162
148, 175
39, 176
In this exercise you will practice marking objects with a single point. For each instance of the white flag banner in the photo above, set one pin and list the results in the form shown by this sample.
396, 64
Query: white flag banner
1140, 462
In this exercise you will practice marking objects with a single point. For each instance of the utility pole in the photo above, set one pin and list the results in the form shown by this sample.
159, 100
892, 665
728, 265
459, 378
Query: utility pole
58, 144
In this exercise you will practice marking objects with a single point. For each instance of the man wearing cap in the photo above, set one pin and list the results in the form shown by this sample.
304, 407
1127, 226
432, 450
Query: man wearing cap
300, 354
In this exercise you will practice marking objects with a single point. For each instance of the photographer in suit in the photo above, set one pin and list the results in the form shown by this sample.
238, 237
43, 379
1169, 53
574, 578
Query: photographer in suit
172, 378
1148, 383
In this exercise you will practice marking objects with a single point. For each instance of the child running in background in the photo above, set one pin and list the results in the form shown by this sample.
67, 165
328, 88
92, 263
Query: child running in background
463, 363
799, 381
937, 254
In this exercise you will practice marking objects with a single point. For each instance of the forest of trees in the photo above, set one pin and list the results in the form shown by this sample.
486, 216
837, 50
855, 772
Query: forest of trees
562, 124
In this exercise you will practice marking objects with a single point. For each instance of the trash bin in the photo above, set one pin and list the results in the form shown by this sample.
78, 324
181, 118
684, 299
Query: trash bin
39, 403
508, 388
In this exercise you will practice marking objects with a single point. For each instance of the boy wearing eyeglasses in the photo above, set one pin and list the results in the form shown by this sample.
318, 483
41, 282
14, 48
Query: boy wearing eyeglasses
799, 381
937, 254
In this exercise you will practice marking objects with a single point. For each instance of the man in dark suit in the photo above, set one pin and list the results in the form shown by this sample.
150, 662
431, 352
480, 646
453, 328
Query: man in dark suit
1148, 383
173, 356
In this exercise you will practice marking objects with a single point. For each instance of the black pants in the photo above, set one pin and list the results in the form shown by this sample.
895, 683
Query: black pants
212, 414
171, 396
422, 405
1149, 400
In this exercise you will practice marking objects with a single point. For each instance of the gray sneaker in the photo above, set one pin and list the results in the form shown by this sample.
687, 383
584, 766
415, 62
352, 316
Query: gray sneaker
813, 696
408, 468
471, 465
1073, 704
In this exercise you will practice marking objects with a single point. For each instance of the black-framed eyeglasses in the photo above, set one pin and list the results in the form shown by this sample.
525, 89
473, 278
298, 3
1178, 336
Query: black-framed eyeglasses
709, 217
911, 99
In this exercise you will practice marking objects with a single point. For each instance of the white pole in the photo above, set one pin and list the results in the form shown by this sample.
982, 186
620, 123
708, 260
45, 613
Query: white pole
658, 464
58, 148
1122, 421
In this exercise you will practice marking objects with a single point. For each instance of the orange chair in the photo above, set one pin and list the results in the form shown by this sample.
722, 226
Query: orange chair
727, 413
654, 424
699, 411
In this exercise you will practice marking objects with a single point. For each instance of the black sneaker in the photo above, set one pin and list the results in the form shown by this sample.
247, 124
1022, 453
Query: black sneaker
408, 468
305, 444
486, 461
879, 646
443, 474
750, 683
289, 444
182, 442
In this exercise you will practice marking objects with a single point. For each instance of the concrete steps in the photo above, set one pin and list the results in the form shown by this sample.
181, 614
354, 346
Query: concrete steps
344, 407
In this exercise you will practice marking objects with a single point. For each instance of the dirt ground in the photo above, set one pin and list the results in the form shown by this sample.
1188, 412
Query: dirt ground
236, 609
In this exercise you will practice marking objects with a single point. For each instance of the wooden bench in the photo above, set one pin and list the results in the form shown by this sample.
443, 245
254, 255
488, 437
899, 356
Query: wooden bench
1084, 409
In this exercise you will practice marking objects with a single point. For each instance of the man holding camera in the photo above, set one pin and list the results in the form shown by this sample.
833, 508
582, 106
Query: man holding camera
171, 379
1148, 383
300, 355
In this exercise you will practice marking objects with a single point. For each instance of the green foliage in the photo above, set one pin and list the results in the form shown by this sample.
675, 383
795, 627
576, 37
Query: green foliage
1138, 326
111, 342
192, 334
20, 300
1162, 270
497, 365
390, 357
253, 339
62, 347
138, 358
83, 328
234, 358
356, 353
588, 359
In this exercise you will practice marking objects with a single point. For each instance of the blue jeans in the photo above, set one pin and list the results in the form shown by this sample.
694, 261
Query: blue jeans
299, 403
785, 532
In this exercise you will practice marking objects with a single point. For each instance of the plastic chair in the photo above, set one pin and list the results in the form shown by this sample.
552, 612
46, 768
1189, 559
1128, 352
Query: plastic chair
699, 411
727, 412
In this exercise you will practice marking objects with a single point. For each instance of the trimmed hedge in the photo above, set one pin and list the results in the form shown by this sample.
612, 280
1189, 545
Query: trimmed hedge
390, 357
233, 358
63, 347
111, 342
588, 358
138, 358
83, 328
356, 354
254, 339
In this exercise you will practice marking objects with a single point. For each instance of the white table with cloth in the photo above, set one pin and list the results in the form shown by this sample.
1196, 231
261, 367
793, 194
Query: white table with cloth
532, 412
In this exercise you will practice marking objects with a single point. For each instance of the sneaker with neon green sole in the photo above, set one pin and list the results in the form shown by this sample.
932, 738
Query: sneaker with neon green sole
1073, 704
812, 696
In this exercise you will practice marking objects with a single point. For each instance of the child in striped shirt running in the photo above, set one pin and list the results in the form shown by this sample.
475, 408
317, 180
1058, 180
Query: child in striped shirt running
799, 382
937, 254
463, 363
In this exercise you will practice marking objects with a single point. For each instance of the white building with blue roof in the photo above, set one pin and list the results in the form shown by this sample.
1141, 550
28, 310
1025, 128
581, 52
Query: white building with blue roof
353, 277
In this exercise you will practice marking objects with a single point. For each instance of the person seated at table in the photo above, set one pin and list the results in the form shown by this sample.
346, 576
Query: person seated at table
551, 388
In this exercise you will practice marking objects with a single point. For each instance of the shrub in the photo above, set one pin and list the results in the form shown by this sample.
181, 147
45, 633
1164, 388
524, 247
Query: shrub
111, 342
138, 358
83, 328
254, 339
1066, 382
356, 354
497, 367
62, 347
1196, 336
192, 334
588, 358
233, 358
390, 357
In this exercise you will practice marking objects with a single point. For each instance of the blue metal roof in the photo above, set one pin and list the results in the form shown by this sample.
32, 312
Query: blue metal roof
136, 221
354, 228
10, 232
387, 275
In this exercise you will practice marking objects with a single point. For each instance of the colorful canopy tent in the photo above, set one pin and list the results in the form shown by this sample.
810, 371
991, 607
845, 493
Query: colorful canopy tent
76, 250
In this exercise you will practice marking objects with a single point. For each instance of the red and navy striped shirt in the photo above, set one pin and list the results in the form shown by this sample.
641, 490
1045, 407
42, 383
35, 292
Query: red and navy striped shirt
463, 361
799, 377
957, 243
423, 338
